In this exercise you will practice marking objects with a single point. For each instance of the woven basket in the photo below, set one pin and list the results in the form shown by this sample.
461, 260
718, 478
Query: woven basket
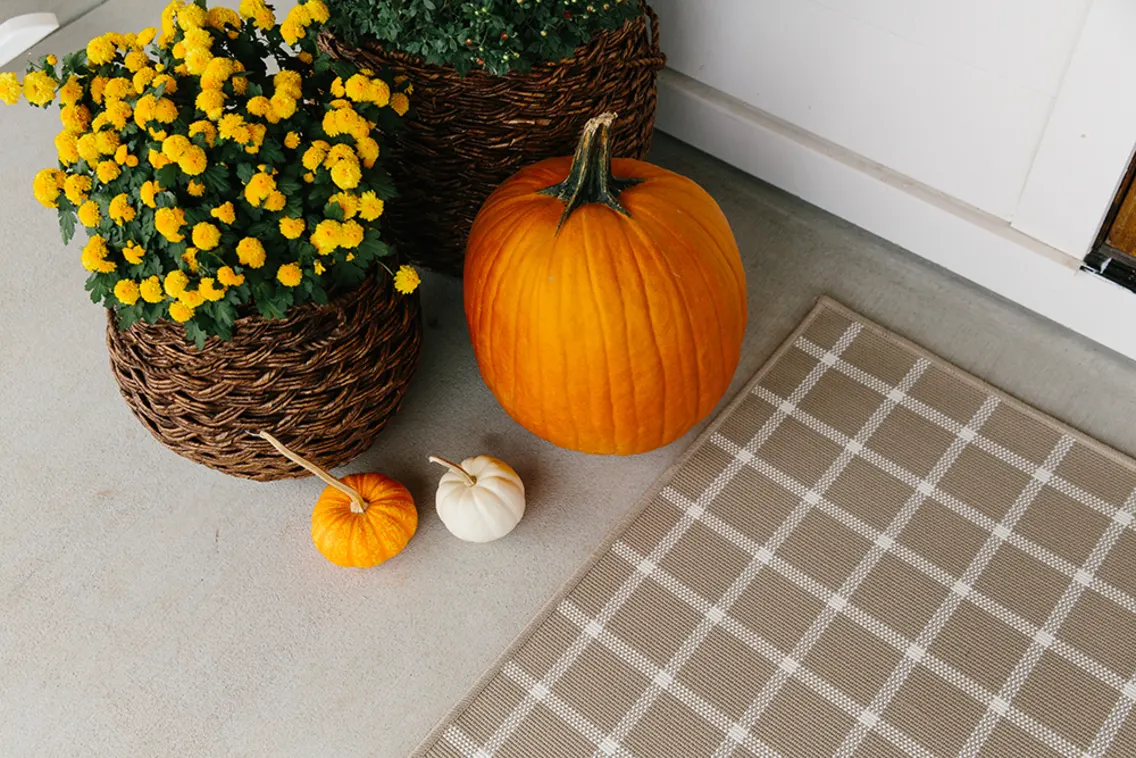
469, 134
325, 380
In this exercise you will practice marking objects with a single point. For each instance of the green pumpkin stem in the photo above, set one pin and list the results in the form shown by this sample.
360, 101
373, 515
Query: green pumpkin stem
591, 180
359, 504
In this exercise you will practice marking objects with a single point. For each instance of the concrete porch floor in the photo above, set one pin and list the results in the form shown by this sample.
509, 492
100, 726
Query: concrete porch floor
154, 607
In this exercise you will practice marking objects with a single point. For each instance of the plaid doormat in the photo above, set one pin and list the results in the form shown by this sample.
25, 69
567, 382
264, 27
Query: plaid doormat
869, 553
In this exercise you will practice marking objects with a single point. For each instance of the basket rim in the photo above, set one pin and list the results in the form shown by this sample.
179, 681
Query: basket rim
539, 71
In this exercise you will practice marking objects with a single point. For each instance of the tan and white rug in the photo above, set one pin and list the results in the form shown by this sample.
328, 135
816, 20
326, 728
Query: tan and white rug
869, 553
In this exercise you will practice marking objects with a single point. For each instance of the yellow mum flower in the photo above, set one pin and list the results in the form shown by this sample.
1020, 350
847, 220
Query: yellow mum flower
370, 206
291, 140
229, 124
157, 160
193, 162
39, 88
204, 127
314, 156
211, 102
107, 142
299, 15
259, 187
220, 17
67, 146
318, 11
189, 257
120, 209
168, 222
275, 202
196, 188
118, 113
136, 61
326, 236
98, 84
358, 88
289, 83
94, 256
289, 274
250, 252
151, 290
240, 84
350, 235
400, 103
143, 79
283, 106
368, 150
192, 298
226, 213
147, 191
165, 111
174, 147
230, 278
118, 88
292, 228
259, 12
168, 83
197, 61
108, 171
406, 280
10, 88
145, 37
89, 214
206, 236
348, 202
176, 282
192, 17
209, 290
126, 291
100, 50
169, 22
337, 87
318, 267
180, 312
75, 118
291, 31
258, 106
47, 185
76, 188
346, 174
69, 94
133, 253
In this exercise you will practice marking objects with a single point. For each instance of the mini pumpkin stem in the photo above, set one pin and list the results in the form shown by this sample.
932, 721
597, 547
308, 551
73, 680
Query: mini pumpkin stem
358, 502
470, 479
591, 180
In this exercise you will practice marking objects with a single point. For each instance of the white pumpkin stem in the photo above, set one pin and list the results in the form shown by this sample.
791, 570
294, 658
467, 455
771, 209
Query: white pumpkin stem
358, 502
470, 479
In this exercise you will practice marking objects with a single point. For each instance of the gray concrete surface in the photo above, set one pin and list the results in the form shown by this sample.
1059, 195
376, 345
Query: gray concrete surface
151, 607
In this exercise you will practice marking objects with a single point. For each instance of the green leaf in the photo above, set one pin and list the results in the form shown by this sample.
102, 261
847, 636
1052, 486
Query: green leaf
245, 172
196, 333
66, 225
333, 211
168, 175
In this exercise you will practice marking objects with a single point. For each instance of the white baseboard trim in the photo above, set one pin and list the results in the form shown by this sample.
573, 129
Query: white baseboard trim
957, 237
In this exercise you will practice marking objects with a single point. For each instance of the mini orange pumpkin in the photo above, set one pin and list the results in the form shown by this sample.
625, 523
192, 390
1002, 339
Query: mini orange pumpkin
606, 301
361, 520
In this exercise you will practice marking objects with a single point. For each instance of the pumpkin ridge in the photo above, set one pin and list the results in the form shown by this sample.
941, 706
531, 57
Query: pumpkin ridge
605, 326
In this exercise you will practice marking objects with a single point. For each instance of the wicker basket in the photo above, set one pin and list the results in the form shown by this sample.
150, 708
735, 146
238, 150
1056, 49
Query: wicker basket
469, 134
325, 380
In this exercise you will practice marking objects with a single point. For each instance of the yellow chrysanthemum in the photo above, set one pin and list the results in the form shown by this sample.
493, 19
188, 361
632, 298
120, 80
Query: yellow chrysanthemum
292, 228
230, 278
151, 290
318, 11
143, 79
221, 17
75, 118
108, 171
147, 191
165, 110
315, 155
107, 142
326, 236
346, 174
260, 13
47, 185
118, 113
258, 106
133, 253
157, 160
94, 257
100, 50
350, 235
176, 282
225, 213
69, 94
135, 61
368, 151
39, 88
259, 187
192, 17
145, 37
195, 188
228, 125
318, 267
211, 102
120, 209
76, 188
189, 258
400, 103
346, 201
168, 222
275, 201
193, 162
406, 280
206, 128
197, 61
370, 206
89, 214
291, 31
250, 252
174, 147
291, 140
168, 83
98, 84
289, 83
126, 291
283, 106
118, 88
240, 84
10, 88
358, 88
289, 274
206, 236
337, 88
209, 289
66, 145
180, 312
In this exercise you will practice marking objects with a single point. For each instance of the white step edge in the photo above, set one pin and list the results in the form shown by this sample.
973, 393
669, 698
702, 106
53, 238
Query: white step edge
959, 238
19, 34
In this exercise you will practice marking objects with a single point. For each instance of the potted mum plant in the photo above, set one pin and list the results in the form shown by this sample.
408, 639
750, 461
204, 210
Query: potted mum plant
227, 173
498, 85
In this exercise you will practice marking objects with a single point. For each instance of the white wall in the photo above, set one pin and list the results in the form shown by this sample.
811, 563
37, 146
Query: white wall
955, 94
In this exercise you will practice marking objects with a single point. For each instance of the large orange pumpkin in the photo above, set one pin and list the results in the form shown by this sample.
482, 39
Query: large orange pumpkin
606, 300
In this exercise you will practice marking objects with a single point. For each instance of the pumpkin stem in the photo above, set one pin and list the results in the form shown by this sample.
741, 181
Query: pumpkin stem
590, 179
358, 502
470, 479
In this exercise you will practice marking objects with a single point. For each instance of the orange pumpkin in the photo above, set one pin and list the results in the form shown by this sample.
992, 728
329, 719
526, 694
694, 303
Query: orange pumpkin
606, 300
361, 520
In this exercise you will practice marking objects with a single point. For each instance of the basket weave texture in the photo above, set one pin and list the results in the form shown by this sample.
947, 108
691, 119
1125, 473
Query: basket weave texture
469, 134
325, 380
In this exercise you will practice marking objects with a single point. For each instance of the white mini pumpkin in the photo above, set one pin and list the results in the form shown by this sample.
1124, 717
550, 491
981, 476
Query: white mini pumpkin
481, 500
